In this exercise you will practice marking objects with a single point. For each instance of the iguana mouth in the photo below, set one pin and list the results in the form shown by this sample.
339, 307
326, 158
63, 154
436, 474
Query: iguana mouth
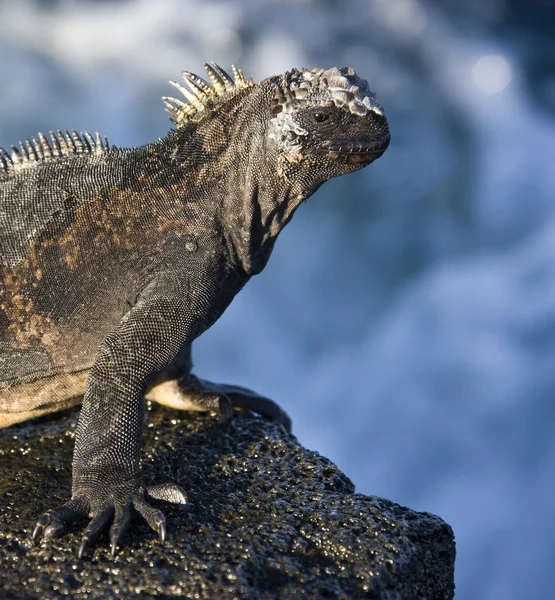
360, 150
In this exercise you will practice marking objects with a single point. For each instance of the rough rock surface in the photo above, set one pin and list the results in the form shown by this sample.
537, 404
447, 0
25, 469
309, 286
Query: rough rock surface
267, 519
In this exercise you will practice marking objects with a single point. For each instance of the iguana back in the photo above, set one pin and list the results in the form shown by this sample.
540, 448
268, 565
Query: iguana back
80, 235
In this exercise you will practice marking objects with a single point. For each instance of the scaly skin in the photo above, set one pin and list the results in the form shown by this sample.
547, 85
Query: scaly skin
113, 261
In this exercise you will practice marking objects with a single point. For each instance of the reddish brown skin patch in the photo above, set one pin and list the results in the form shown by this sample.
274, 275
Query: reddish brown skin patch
103, 258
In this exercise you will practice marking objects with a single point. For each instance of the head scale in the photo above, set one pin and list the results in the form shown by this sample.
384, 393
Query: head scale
328, 120
343, 87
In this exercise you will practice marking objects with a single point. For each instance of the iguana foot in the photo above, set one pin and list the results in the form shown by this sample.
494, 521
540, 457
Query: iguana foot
116, 506
246, 399
192, 393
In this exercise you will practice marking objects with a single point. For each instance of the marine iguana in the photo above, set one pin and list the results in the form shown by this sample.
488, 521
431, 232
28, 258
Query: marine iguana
112, 261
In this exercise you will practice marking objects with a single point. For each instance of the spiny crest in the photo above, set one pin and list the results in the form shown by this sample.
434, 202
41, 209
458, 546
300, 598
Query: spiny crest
61, 144
204, 97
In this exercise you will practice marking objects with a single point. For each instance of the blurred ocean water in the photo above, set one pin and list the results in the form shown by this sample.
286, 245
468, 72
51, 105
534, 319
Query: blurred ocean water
406, 320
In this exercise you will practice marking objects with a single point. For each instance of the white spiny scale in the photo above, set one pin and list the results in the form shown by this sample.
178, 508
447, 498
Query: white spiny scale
202, 89
218, 82
95, 142
175, 107
88, 141
63, 143
173, 103
174, 114
71, 149
99, 145
229, 84
78, 141
16, 156
179, 112
238, 75
188, 110
189, 95
56, 150
171, 108
31, 152
45, 146
198, 94
38, 148
5, 159
23, 152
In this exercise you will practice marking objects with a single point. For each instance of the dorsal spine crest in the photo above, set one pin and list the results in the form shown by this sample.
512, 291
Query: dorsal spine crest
203, 96
61, 144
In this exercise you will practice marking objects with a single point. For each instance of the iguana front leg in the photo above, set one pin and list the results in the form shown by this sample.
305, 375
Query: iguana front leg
106, 483
178, 388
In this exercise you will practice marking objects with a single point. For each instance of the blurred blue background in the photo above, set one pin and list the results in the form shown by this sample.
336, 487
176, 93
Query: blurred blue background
406, 320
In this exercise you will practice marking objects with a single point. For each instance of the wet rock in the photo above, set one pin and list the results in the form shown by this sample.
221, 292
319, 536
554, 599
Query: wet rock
266, 519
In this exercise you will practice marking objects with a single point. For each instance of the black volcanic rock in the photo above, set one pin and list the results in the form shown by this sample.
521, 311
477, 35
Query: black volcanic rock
267, 519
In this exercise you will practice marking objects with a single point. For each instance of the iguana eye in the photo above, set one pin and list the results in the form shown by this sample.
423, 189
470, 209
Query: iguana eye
320, 117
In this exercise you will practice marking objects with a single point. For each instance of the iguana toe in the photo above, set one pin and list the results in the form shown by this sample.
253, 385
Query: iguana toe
247, 399
122, 519
95, 527
153, 516
53, 523
54, 530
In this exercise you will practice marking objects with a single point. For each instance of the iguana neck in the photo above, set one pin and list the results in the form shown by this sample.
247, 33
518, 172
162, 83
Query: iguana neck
258, 201
254, 211
229, 160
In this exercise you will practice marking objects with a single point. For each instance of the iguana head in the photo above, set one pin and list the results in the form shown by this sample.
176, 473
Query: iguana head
326, 123
320, 123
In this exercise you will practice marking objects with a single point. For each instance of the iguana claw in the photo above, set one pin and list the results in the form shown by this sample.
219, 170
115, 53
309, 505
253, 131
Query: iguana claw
53, 523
